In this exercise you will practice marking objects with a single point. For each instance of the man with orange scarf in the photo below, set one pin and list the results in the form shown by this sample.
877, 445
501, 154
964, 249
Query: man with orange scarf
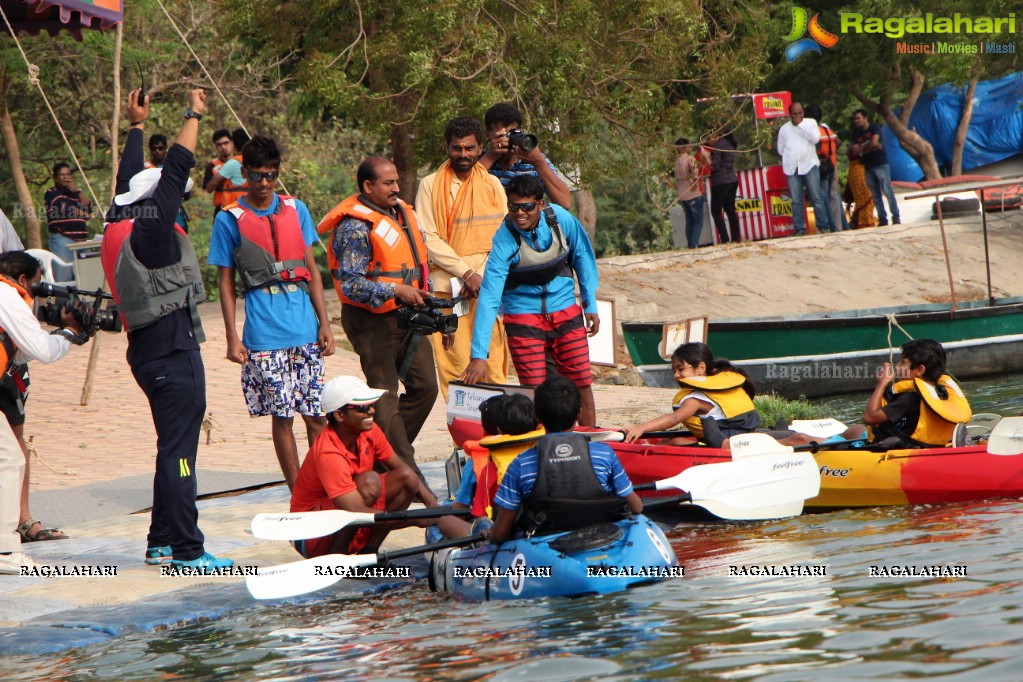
460, 208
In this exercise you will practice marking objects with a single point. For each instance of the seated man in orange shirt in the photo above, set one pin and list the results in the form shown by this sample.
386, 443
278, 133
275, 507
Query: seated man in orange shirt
338, 471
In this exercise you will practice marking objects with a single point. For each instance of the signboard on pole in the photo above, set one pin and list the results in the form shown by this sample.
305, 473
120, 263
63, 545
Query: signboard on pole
772, 104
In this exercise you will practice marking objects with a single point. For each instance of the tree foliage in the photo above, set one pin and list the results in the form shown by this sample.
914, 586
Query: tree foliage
402, 69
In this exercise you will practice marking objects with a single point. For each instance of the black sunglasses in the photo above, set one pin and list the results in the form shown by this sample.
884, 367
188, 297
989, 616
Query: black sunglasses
528, 206
361, 409
256, 176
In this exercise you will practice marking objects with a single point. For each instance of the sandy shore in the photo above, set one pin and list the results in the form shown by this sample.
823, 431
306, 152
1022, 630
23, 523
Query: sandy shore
869, 268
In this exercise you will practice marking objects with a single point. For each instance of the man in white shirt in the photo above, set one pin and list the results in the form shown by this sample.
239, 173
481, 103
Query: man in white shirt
21, 339
797, 146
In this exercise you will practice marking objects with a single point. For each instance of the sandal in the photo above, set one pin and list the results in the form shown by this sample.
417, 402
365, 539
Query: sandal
41, 534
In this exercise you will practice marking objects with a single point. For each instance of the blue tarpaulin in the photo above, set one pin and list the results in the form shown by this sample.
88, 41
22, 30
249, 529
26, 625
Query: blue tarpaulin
996, 129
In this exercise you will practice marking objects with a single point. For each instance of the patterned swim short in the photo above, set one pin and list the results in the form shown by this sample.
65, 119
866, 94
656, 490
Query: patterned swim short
281, 382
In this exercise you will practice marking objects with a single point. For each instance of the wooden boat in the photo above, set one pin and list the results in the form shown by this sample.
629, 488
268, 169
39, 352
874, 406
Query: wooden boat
600, 559
859, 478
839, 352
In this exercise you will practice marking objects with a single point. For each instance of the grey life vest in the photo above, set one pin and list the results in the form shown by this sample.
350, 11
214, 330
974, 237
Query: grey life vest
539, 268
567, 494
145, 295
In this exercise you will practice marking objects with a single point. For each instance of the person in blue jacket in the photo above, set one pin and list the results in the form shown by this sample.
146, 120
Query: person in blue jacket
538, 252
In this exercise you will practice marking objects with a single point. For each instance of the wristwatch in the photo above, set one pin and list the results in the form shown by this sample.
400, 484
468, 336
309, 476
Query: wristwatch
190, 113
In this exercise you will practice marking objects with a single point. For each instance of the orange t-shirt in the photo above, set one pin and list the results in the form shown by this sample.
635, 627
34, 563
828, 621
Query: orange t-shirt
329, 469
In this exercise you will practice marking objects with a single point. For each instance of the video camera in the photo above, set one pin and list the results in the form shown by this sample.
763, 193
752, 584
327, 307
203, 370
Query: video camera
91, 315
426, 321
520, 138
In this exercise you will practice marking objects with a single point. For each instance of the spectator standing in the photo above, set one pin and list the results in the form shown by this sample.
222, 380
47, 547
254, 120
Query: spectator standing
215, 179
867, 143
724, 183
67, 210
689, 187
268, 240
507, 161
797, 146
378, 260
827, 155
460, 207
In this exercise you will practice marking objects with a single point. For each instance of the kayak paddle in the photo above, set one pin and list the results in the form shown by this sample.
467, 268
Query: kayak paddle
309, 575
749, 483
1007, 437
723, 511
317, 524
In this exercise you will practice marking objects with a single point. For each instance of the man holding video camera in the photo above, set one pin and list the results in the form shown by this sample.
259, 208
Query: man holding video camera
378, 261
512, 152
156, 280
22, 339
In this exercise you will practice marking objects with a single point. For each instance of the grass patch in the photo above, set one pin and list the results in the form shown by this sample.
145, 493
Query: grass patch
773, 407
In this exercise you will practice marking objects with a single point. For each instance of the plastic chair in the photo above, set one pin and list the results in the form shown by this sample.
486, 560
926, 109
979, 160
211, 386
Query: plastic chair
47, 259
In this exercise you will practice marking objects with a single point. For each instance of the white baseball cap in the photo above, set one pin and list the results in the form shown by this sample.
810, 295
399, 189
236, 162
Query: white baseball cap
142, 185
341, 391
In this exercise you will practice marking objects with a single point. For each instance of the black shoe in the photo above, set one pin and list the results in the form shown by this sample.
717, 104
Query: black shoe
896, 221
883, 223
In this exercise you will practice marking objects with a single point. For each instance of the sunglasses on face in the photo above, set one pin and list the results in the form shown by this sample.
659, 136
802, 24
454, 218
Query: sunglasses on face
527, 206
256, 176
361, 409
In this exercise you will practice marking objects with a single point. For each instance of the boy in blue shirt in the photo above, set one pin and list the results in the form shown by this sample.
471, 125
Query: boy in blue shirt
267, 238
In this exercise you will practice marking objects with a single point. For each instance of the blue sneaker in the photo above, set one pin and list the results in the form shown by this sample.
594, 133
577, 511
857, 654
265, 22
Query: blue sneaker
206, 561
158, 555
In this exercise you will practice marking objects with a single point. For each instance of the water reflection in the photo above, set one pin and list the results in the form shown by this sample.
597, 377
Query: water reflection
708, 625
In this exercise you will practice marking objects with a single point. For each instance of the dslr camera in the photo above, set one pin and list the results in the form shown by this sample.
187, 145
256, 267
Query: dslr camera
93, 316
426, 321
520, 138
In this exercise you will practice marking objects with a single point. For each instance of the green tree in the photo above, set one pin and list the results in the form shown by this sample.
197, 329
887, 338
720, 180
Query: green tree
627, 70
870, 68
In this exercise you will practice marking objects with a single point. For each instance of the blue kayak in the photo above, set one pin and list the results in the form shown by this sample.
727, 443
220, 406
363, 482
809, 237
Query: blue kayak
599, 559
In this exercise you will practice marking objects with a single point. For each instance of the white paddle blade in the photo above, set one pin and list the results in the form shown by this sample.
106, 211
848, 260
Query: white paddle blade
604, 436
1007, 437
300, 577
818, 428
776, 511
763, 481
305, 525
755, 445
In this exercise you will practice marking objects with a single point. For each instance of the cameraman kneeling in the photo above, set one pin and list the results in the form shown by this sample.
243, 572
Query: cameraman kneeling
21, 339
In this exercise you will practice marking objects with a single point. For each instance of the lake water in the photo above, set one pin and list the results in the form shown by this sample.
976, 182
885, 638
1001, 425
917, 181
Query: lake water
709, 625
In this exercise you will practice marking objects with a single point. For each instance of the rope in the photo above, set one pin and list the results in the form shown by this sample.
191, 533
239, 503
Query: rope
892, 322
33, 79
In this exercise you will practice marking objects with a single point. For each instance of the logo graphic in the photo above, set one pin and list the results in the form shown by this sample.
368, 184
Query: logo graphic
563, 450
818, 36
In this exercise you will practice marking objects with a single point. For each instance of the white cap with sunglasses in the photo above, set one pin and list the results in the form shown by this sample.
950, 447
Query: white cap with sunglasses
341, 391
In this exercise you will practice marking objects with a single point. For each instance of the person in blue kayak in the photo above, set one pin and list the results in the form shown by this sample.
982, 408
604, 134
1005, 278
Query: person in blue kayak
915, 403
565, 482
709, 389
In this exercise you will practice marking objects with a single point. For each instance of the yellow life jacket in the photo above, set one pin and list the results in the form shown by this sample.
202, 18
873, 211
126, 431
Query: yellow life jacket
938, 417
725, 389
491, 456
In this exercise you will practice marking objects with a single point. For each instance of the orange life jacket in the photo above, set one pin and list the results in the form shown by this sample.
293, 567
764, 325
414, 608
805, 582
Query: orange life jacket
828, 145
486, 478
272, 248
8, 349
399, 251
228, 192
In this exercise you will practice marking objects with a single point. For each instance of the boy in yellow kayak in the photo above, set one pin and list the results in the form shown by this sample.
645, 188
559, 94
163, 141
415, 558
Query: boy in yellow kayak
915, 404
